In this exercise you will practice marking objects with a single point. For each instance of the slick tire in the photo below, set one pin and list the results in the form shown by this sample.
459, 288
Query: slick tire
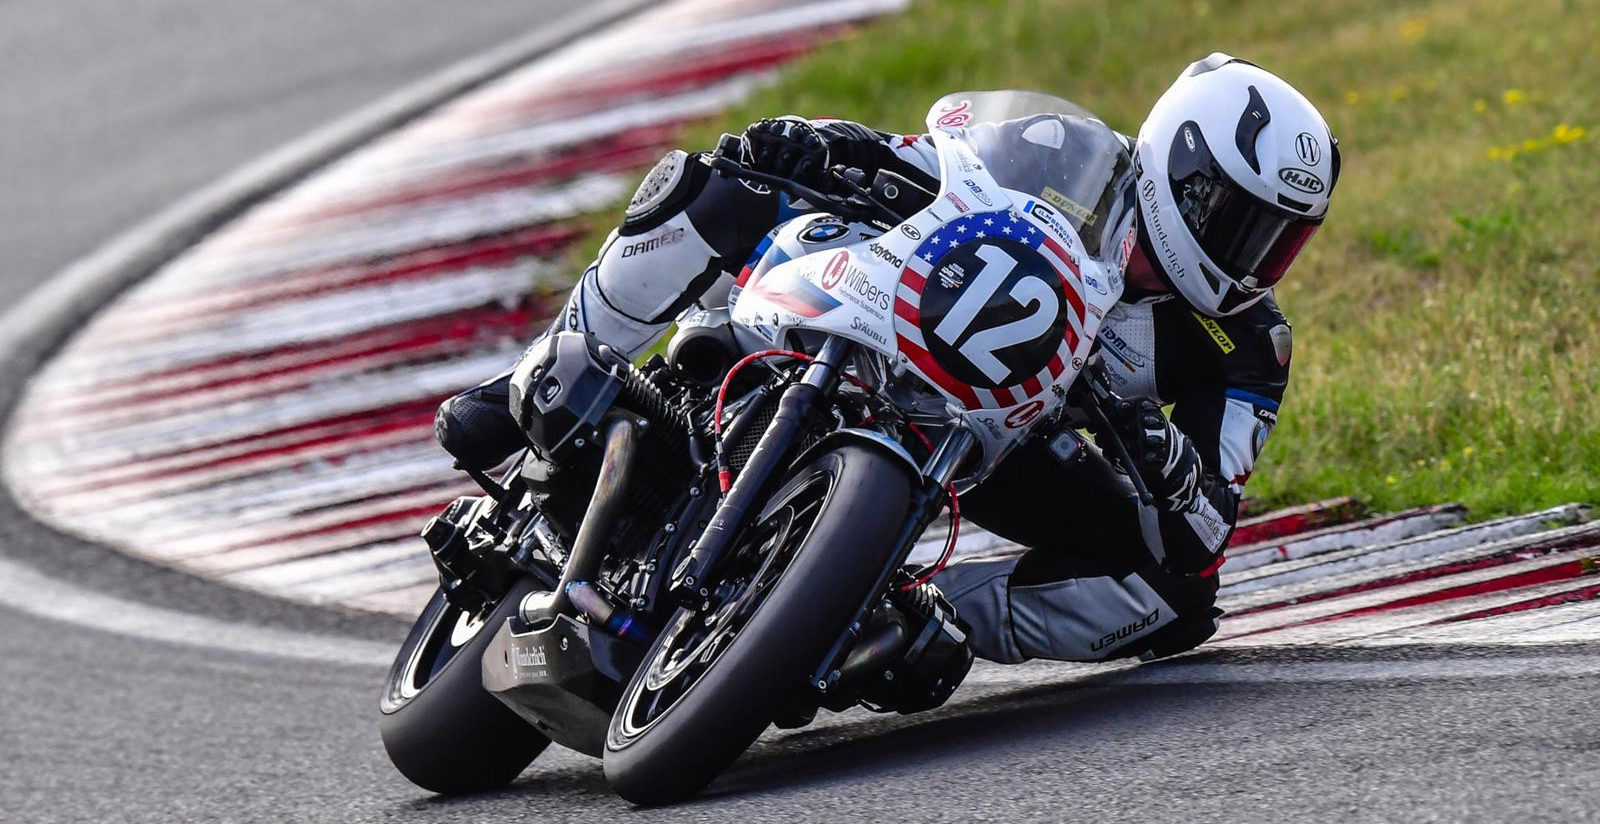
442, 730
763, 666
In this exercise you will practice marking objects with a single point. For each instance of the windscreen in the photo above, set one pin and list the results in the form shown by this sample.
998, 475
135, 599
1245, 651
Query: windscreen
1052, 149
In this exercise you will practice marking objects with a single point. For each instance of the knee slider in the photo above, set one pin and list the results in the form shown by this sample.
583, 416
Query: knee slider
675, 181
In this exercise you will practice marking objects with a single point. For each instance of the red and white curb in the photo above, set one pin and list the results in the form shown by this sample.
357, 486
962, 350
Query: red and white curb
260, 410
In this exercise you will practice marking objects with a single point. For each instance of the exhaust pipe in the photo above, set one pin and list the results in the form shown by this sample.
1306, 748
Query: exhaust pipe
588, 550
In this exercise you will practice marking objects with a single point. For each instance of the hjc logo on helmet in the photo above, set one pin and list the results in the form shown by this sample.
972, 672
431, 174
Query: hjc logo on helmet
1302, 180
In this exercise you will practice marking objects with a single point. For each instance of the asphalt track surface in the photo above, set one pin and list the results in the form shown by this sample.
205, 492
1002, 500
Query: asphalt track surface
96, 726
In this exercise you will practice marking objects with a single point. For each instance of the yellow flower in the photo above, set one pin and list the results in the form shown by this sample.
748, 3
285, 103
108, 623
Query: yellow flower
1352, 97
1514, 96
1567, 134
1530, 145
1398, 93
1495, 153
1444, 464
1412, 30
1391, 480
1480, 105
1467, 452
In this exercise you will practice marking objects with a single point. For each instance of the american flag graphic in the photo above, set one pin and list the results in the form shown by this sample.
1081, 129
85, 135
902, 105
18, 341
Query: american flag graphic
976, 228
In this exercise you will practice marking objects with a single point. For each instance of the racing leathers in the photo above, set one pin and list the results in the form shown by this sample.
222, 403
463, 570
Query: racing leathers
1097, 581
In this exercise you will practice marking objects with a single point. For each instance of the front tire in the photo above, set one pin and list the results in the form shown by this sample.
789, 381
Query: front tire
705, 693
442, 730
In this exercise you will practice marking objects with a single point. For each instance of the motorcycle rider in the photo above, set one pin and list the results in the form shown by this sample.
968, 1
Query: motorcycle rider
1234, 170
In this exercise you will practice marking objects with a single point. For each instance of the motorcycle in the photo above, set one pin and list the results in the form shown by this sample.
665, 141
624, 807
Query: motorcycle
692, 550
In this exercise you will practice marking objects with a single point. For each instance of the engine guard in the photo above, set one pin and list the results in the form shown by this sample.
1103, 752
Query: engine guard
562, 679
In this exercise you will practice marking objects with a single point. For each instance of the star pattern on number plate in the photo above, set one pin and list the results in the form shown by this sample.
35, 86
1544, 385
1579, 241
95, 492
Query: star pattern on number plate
1004, 225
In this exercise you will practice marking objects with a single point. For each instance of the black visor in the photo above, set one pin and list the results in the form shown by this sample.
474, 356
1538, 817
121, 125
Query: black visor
1250, 240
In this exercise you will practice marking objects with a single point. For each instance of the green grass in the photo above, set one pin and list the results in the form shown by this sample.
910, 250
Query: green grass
1447, 338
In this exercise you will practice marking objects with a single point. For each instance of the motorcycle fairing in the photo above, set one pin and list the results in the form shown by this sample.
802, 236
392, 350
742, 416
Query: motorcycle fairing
1003, 355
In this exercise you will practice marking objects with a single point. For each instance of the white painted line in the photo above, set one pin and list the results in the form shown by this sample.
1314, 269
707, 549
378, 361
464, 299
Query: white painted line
27, 591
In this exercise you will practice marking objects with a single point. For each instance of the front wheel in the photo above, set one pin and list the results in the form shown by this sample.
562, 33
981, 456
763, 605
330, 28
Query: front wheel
713, 681
441, 728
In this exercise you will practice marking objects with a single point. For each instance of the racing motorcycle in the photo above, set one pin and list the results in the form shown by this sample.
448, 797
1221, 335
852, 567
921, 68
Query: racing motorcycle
691, 550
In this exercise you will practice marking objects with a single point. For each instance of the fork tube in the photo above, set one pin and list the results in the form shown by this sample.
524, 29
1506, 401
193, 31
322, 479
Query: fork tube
762, 467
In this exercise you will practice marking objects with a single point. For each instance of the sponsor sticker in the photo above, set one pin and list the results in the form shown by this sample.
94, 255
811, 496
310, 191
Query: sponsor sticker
910, 231
1069, 206
834, 271
955, 115
1218, 336
1307, 148
961, 205
1301, 179
1024, 414
650, 244
881, 252
977, 192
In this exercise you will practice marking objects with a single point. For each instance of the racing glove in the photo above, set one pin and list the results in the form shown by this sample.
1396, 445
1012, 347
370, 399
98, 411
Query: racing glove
803, 150
1163, 456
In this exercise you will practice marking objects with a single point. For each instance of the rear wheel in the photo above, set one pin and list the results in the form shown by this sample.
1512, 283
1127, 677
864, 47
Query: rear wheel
713, 681
442, 730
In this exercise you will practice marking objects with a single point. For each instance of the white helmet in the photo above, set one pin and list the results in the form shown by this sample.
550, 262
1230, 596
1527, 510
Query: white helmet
1235, 168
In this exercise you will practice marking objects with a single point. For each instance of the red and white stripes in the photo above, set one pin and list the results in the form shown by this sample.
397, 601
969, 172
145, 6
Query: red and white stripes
260, 410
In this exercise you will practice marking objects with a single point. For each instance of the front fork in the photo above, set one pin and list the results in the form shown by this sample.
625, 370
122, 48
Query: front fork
763, 467
937, 471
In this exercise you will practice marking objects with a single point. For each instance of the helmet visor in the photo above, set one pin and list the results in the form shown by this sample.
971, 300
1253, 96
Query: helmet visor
1250, 240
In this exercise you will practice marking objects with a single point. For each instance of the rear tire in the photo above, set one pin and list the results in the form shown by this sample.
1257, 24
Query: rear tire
442, 730
681, 721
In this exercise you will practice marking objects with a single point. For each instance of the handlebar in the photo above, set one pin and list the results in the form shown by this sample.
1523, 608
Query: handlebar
860, 205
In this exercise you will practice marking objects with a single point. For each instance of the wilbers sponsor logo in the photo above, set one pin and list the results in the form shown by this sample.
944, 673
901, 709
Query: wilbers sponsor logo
1301, 179
834, 271
1024, 414
859, 283
1307, 149
651, 244
879, 251
1136, 626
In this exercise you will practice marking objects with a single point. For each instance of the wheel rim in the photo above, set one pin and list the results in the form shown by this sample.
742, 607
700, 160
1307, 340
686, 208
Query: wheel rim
693, 642
449, 631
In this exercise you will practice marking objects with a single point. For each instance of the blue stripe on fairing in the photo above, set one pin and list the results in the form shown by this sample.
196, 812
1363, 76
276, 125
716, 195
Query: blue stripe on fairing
787, 212
1252, 398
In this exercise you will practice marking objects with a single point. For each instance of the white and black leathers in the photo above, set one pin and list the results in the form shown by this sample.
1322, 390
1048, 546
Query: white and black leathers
1090, 588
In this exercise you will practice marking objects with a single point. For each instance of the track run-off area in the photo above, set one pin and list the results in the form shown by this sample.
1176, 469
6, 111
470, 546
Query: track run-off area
258, 413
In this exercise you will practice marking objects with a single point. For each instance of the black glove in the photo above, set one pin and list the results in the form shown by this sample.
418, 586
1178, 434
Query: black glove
788, 147
1164, 457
